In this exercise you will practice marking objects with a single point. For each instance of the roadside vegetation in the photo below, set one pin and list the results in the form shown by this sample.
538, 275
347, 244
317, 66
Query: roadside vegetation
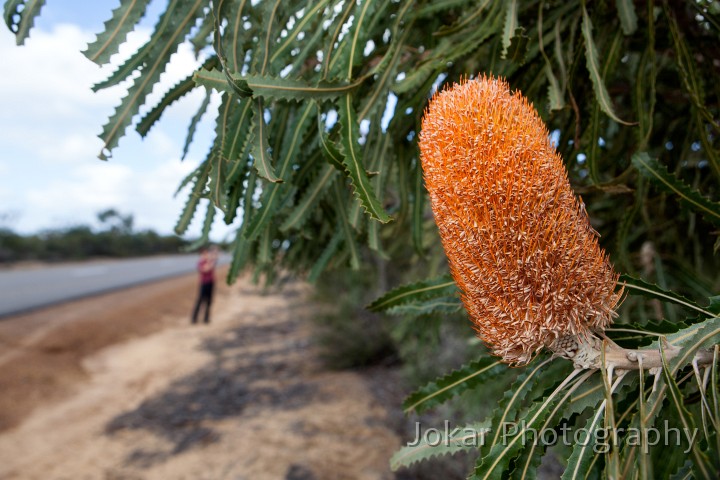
115, 238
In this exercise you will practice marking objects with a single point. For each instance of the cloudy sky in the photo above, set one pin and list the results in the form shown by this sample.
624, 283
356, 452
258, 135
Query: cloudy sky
50, 176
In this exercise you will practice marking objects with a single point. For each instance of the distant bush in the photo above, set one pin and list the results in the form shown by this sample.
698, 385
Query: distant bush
116, 239
348, 335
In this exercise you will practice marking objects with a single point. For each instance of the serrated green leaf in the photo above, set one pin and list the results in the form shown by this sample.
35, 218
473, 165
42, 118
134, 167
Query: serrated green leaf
448, 51
511, 25
202, 36
701, 461
234, 196
419, 74
415, 292
314, 8
264, 255
228, 114
274, 87
353, 164
188, 178
272, 195
207, 224
464, 378
345, 227
658, 175
591, 394
684, 472
376, 145
556, 100
356, 35
644, 466
418, 210
446, 305
714, 306
268, 12
593, 157
641, 287
463, 22
583, 452
193, 199
179, 90
331, 65
402, 166
21, 20
558, 54
646, 79
373, 152
687, 65
498, 460
309, 49
123, 21
259, 146
436, 6
125, 70
222, 80
689, 340
322, 262
333, 156
627, 224
241, 247
174, 24
518, 49
374, 241
448, 442
387, 68
628, 17
526, 388
194, 121
239, 147
593, 65
240, 255
312, 196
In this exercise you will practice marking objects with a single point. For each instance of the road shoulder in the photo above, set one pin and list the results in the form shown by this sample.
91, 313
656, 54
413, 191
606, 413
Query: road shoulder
243, 397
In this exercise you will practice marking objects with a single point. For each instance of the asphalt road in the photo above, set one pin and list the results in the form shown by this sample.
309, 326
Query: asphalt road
24, 290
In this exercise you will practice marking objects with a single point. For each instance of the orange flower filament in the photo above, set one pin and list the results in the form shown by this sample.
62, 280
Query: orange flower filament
518, 240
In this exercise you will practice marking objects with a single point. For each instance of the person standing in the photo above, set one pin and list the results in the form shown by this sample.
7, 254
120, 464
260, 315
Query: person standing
206, 271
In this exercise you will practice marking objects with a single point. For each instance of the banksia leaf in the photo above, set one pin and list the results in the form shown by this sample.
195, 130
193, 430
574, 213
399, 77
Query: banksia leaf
454, 383
519, 242
659, 175
459, 439
20, 17
123, 20
415, 293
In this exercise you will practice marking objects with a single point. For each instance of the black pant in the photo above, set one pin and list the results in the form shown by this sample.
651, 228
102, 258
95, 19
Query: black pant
205, 296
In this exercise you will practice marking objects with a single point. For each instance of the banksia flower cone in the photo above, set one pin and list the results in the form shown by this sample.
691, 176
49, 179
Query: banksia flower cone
519, 242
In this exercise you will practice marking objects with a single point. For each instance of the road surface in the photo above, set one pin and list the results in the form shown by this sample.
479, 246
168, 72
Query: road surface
23, 290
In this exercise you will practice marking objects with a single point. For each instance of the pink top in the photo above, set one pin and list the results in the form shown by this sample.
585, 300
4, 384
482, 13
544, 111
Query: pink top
206, 267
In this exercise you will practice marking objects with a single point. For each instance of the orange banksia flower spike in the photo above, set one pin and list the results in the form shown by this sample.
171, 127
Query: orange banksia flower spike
518, 240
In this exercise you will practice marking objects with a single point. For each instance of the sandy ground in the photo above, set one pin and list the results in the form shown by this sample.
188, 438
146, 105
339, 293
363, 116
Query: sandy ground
123, 387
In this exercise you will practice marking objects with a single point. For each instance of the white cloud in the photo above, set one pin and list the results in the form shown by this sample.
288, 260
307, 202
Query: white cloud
48, 107
49, 122
78, 197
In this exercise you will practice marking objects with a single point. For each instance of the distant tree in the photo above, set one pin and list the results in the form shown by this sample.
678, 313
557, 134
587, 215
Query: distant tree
316, 150
116, 222
80, 242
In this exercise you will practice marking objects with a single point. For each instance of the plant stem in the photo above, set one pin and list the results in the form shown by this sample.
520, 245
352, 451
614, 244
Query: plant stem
594, 353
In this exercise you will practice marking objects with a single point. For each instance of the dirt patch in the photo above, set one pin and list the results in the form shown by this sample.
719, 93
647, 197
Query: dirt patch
244, 397
42, 351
